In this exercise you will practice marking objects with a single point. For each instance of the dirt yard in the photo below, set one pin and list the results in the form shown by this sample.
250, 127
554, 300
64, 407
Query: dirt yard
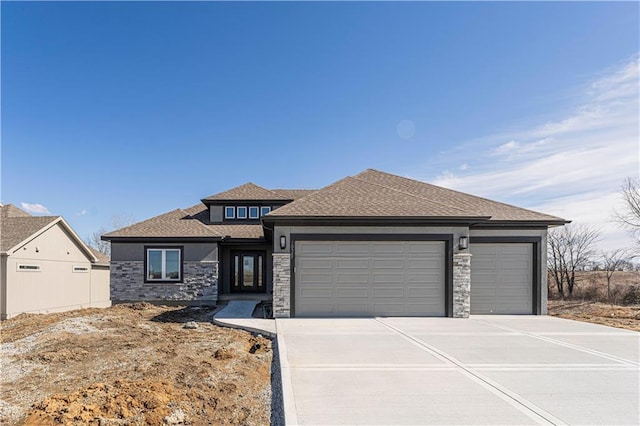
132, 365
627, 317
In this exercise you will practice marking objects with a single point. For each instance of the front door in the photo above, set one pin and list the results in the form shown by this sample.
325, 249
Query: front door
247, 272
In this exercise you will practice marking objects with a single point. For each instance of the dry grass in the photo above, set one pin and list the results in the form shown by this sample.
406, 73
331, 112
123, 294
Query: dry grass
589, 302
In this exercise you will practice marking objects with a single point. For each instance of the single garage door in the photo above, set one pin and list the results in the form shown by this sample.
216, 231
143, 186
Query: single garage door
369, 278
501, 278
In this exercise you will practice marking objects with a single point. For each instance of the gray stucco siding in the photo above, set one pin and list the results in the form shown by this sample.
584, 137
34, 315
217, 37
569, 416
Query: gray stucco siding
193, 252
456, 231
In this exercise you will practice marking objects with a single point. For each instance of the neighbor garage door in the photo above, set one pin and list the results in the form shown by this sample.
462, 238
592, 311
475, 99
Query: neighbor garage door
365, 278
501, 278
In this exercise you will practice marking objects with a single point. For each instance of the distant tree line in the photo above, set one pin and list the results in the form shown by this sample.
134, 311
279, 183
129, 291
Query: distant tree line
572, 248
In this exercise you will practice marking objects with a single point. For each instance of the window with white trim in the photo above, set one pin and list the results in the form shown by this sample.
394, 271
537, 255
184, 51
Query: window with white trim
264, 210
164, 264
254, 212
229, 212
242, 212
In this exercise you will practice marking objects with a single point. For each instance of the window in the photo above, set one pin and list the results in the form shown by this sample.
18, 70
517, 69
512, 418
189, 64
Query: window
264, 210
242, 212
28, 268
229, 212
164, 264
254, 212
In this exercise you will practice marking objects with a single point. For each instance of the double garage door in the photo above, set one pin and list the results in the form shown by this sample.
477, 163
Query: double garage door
406, 278
367, 278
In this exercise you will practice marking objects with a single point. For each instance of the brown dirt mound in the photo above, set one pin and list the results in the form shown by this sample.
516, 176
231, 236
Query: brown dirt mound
121, 402
132, 365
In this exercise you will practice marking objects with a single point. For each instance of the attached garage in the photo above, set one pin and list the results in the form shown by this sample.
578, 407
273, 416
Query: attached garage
502, 278
370, 278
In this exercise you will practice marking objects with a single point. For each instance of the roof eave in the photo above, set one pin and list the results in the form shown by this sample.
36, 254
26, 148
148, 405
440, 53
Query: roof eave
522, 223
155, 238
372, 220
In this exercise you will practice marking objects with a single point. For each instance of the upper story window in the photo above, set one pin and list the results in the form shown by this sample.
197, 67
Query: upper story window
241, 212
246, 212
163, 264
229, 212
254, 213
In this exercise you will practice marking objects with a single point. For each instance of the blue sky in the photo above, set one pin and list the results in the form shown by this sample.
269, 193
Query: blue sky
135, 109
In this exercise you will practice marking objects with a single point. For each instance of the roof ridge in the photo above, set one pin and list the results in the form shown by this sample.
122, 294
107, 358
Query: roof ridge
274, 194
458, 192
408, 193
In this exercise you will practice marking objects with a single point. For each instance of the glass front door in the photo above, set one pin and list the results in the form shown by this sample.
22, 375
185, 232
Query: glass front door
247, 272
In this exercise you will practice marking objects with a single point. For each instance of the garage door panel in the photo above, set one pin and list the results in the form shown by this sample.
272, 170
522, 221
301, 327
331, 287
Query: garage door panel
421, 248
310, 277
388, 264
351, 292
388, 248
501, 278
349, 308
359, 264
389, 278
394, 278
388, 292
352, 249
316, 248
316, 263
317, 292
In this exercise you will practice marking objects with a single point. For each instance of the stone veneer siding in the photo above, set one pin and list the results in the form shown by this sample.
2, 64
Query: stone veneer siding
200, 283
461, 285
281, 285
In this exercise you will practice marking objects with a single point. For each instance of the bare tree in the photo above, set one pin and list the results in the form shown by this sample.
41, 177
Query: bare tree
629, 215
570, 249
94, 240
612, 261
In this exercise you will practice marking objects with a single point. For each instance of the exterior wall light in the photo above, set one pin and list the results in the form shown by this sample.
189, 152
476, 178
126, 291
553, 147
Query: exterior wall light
283, 242
463, 243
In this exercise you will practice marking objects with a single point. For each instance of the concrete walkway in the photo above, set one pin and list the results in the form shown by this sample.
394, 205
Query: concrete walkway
481, 370
239, 314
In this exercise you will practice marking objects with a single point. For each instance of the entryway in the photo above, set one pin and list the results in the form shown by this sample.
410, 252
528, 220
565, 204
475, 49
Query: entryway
248, 272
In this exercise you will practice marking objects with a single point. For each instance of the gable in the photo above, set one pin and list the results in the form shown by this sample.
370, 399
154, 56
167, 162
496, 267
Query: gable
55, 243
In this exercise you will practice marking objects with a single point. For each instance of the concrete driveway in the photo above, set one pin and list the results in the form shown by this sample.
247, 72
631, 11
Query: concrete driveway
481, 370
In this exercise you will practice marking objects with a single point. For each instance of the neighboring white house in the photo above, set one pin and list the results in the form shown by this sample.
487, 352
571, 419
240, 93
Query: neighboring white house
45, 267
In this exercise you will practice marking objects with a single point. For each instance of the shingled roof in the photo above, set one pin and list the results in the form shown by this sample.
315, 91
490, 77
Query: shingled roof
248, 191
294, 194
370, 194
377, 194
191, 222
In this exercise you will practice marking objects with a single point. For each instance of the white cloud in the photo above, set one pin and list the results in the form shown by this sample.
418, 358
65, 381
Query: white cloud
572, 166
506, 148
35, 208
81, 213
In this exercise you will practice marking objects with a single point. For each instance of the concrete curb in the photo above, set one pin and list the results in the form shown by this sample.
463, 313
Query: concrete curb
237, 314
288, 401
240, 325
